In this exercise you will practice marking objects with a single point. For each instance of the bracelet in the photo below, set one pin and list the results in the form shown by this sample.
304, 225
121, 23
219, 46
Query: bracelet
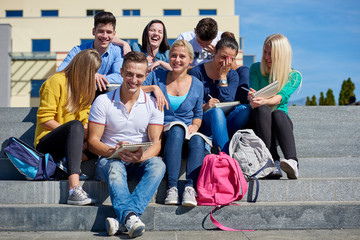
196, 125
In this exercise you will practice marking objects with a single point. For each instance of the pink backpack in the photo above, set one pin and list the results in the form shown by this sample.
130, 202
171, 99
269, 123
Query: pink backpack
220, 182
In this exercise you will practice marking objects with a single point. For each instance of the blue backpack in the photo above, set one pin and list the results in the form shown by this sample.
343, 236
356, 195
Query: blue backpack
29, 162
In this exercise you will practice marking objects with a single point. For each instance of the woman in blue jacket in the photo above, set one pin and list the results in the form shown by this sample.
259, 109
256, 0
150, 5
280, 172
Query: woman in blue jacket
184, 93
220, 85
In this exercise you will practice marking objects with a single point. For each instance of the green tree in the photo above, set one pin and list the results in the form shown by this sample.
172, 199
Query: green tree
347, 90
308, 102
322, 99
313, 101
330, 99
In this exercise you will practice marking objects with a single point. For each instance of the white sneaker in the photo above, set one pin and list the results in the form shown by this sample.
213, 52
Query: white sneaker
113, 226
172, 196
135, 226
189, 197
290, 168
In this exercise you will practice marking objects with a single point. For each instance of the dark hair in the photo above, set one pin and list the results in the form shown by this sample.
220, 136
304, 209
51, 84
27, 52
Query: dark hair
228, 34
164, 45
207, 29
137, 57
105, 18
227, 42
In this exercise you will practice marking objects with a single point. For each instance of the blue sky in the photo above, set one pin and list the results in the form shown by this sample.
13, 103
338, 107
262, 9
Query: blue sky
324, 35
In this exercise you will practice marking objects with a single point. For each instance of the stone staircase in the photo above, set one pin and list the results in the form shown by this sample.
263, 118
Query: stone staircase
326, 195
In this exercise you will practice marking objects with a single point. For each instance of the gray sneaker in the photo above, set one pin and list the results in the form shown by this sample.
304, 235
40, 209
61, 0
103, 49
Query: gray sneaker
135, 226
79, 197
276, 174
113, 226
172, 196
189, 197
290, 168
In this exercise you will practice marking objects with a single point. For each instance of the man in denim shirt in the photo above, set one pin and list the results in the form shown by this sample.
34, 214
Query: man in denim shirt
111, 55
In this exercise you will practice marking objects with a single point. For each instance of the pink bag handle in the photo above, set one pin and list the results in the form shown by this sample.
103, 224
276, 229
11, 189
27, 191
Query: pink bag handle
222, 227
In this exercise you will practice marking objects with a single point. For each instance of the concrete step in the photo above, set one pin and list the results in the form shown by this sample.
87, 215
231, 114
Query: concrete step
296, 215
303, 189
18, 114
314, 167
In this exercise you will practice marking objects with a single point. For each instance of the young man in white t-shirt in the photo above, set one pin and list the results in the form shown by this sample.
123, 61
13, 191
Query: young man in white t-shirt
203, 39
128, 115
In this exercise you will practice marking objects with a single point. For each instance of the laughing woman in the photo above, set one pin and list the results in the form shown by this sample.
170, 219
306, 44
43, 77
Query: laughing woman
184, 94
62, 117
270, 115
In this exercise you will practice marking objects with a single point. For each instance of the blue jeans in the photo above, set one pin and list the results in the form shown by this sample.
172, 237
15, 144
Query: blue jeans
174, 139
115, 173
220, 127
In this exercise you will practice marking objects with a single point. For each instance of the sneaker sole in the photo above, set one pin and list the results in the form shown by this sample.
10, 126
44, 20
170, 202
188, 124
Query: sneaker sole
189, 204
80, 203
172, 202
110, 228
288, 170
137, 231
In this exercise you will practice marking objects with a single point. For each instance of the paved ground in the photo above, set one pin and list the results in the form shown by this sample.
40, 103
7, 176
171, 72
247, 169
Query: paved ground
348, 234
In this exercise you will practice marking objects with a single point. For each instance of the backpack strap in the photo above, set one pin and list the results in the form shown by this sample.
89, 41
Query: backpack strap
222, 227
253, 177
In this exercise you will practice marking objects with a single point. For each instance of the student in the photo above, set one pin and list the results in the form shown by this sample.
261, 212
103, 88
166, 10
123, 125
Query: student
155, 45
111, 55
243, 73
220, 85
270, 115
185, 95
203, 40
62, 117
128, 115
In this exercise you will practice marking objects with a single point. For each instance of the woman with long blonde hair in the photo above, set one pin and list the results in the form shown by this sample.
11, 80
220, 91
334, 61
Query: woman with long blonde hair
270, 118
62, 117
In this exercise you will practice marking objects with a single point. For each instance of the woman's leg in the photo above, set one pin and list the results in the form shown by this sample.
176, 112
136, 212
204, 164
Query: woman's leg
66, 141
238, 118
214, 124
283, 131
174, 139
261, 121
196, 148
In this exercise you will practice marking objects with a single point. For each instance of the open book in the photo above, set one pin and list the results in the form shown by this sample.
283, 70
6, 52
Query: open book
268, 91
187, 134
131, 147
225, 106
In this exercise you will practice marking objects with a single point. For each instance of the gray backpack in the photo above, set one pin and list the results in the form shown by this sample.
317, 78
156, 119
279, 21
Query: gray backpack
254, 158
250, 151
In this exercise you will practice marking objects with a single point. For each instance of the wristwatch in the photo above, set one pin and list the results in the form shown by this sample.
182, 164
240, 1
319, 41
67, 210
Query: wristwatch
223, 81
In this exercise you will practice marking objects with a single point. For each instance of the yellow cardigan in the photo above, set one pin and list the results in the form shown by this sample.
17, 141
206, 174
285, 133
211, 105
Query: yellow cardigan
53, 96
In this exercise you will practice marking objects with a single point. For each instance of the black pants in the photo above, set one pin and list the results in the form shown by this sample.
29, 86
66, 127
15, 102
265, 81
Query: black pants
274, 125
65, 141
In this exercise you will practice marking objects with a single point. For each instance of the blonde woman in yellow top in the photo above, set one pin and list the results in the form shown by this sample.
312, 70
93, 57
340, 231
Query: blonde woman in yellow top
62, 118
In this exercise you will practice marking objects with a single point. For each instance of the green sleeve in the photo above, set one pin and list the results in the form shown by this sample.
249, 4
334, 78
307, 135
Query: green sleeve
290, 87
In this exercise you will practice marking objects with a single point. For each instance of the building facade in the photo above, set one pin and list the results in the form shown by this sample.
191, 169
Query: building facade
43, 31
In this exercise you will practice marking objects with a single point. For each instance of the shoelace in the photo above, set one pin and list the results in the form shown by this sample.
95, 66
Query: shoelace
81, 192
191, 191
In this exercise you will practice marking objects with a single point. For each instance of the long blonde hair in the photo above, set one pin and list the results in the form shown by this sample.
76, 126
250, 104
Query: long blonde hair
80, 79
281, 55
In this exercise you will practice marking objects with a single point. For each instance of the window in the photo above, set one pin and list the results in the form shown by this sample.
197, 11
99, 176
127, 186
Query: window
35, 87
130, 41
14, 13
49, 13
207, 12
171, 40
172, 12
93, 12
131, 12
41, 45
83, 41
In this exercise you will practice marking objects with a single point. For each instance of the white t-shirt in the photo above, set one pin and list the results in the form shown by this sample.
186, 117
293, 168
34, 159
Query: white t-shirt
201, 56
120, 125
